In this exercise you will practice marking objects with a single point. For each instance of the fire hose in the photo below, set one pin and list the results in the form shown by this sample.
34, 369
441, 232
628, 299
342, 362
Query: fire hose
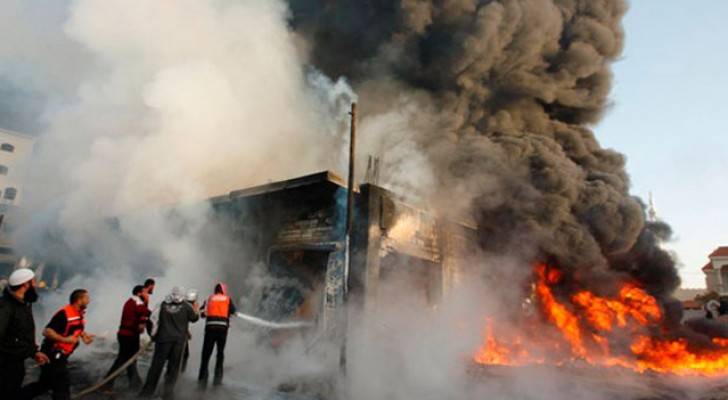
245, 317
273, 325
113, 375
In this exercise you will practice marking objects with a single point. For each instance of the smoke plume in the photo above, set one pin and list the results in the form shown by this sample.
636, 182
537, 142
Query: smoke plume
477, 107
511, 89
158, 106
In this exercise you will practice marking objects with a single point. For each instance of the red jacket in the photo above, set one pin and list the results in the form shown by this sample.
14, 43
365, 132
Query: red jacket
134, 318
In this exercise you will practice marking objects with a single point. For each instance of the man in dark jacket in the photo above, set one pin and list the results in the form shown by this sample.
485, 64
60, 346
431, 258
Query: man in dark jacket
170, 337
17, 332
134, 319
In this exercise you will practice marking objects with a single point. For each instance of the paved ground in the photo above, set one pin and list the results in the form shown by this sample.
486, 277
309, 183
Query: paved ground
186, 388
585, 382
527, 383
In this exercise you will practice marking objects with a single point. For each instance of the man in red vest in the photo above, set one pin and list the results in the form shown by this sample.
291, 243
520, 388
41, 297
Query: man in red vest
134, 319
62, 335
217, 311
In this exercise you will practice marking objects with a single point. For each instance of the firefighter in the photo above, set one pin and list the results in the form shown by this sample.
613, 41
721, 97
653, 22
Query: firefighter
146, 296
170, 337
134, 319
62, 336
149, 285
216, 311
17, 331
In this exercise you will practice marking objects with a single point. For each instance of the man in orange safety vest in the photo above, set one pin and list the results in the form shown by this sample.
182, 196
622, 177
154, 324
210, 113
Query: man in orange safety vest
62, 336
217, 311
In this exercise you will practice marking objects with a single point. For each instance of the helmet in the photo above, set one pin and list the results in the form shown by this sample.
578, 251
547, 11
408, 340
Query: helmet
191, 295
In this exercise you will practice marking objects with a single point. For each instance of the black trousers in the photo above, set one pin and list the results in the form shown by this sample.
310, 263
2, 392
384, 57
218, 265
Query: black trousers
169, 353
54, 377
12, 373
185, 356
128, 347
214, 337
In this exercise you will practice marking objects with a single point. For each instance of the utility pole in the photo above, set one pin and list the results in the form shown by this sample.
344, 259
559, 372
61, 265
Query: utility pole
349, 229
350, 186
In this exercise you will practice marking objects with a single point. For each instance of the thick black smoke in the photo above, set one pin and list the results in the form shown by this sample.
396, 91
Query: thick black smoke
516, 86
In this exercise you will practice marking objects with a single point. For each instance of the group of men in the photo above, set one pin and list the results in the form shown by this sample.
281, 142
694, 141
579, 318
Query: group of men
17, 339
168, 326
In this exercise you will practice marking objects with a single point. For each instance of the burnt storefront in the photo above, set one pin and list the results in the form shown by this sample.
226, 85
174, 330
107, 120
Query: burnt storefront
295, 229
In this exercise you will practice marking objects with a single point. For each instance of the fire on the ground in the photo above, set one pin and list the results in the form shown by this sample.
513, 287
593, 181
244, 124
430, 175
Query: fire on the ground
625, 331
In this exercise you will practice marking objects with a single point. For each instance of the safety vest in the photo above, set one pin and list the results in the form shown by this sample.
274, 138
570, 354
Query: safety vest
217, 310
75, 324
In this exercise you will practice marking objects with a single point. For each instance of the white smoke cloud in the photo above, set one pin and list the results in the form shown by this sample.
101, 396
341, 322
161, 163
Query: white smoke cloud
189, 100
392, 136
179, 101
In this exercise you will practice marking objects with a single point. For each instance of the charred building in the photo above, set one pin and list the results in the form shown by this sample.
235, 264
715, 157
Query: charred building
295, 230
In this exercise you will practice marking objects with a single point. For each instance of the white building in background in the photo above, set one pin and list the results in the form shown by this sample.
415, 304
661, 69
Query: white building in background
716, 271
15, 154
15, 151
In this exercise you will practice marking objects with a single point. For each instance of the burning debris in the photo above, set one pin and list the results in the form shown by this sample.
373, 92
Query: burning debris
626, 331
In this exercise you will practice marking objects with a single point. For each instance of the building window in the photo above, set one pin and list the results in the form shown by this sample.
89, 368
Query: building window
7, 147
10, 193
3, 170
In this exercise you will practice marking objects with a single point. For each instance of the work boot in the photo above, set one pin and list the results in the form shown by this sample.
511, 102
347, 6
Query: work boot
202, 384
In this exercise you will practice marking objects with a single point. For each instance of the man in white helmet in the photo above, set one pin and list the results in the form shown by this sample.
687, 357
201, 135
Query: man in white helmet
17, 331
170, 333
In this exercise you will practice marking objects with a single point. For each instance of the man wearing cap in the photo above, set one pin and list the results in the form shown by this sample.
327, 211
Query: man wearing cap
17, 331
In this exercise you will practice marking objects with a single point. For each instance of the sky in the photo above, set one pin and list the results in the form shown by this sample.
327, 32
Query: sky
670, 118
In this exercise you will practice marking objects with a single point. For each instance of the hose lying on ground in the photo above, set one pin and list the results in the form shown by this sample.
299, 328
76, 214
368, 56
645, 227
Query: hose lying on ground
249, 318
273, 325
113, 375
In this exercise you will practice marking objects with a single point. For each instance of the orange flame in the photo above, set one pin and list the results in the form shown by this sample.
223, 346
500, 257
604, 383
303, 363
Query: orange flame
604, 331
